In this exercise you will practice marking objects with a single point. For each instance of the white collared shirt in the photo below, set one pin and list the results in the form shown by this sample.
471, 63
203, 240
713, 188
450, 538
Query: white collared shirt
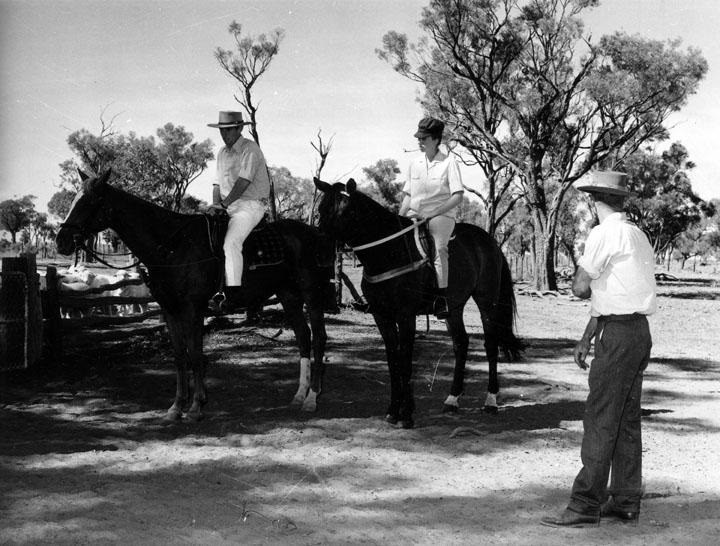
621, 263
431, 183
244, 159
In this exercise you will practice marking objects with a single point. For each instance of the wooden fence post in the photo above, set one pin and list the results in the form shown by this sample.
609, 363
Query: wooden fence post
25, 264
51, 313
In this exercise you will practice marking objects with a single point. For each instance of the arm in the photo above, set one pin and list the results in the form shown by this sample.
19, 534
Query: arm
454, 201
405, 205
239, 188
581, 284
582, 348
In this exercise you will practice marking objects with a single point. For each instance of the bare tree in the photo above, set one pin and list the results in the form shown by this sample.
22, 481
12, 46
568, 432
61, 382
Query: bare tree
249, 61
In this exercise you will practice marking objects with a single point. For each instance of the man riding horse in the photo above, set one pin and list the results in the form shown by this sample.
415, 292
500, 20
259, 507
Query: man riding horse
242, 189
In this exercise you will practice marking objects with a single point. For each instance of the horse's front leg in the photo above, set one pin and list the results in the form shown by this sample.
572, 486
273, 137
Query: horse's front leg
319, 340
181, 386
389, 332
460, 341
406, 343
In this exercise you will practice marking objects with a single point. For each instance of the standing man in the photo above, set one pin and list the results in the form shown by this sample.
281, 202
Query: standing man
432, 191
242, 189
617, 273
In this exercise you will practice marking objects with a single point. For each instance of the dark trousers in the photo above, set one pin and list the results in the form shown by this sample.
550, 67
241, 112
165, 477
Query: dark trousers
612, 438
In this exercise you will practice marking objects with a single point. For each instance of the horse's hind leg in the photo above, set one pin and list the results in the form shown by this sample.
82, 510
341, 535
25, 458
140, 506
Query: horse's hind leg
174, 413
492, 351
293, 306
460, 341
319, 340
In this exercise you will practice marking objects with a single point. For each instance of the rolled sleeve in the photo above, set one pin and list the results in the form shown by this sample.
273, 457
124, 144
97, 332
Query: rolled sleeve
454, 178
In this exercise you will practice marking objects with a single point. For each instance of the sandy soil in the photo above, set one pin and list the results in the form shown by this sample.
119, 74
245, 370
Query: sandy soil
85, 458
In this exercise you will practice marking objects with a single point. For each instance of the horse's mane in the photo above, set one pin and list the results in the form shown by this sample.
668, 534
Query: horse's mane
143, 202
372, 207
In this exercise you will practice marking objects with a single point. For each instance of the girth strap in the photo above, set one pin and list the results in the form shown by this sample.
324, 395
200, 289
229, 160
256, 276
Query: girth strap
395, 272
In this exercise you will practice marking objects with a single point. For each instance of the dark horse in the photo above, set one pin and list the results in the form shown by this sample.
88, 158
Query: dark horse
398, 285
183, 273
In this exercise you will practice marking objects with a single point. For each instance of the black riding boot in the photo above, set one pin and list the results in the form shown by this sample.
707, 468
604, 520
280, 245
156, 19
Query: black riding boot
440, 306
226, 301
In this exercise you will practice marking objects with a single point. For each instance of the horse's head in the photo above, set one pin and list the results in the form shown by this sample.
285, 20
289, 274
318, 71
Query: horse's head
87, 216
336, 216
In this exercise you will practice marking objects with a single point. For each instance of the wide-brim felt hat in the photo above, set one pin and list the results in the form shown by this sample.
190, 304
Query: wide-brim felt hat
612, 182
229, 119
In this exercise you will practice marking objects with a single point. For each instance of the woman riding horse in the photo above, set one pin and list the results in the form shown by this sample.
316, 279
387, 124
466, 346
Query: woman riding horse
398, 284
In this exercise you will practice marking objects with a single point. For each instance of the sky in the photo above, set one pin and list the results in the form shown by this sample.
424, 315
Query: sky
67, 64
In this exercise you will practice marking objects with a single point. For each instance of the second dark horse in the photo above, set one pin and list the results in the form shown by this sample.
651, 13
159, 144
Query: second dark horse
478, 269
183, 273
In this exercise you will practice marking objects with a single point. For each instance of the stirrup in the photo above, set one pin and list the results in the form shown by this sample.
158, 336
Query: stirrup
440, 306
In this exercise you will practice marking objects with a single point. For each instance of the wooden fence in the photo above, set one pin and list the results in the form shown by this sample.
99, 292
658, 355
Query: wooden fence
30, 313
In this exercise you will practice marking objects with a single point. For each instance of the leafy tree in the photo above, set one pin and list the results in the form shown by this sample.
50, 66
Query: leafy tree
294, 195
471, 212
17, 214
533, 101
383, 175
158, 171
59, 204
664, 205
184, 160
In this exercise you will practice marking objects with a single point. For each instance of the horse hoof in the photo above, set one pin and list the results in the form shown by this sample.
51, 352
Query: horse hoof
392, 419
297, 402
492, 410
195, 416
172, 416
449, 408
309, 408
407, 423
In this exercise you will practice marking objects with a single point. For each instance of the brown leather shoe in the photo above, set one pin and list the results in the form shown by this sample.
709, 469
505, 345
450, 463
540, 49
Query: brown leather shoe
610, 511
568, 518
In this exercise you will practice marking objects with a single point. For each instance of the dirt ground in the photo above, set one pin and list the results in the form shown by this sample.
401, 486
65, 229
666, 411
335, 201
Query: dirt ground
86, 459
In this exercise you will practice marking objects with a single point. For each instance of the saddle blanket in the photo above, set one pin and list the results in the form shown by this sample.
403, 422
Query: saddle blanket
264, 247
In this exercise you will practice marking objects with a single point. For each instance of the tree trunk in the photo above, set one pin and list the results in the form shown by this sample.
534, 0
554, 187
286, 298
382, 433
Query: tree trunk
544, 254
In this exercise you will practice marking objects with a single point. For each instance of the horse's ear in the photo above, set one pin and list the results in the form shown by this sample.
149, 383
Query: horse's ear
104, 177
322, 186
351, 185
83, 176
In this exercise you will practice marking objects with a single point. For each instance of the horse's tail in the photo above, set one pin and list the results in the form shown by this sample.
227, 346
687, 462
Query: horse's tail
505, 311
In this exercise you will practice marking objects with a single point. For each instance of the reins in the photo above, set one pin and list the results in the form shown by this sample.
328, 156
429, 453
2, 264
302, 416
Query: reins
97, 256
390, 237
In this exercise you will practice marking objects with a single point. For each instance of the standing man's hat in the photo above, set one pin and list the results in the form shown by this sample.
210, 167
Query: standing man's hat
229, 119
429, 127
612, 182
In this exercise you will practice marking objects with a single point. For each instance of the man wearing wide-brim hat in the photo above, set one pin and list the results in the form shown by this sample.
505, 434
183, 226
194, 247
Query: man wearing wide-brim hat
242, 189
617, 273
